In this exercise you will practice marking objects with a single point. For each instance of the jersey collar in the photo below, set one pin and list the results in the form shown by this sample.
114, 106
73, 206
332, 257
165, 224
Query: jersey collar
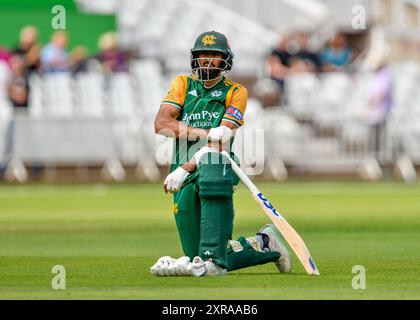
208, 88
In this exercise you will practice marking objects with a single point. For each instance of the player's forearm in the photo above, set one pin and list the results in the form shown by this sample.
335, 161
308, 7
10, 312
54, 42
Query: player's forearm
189, 166
176, 129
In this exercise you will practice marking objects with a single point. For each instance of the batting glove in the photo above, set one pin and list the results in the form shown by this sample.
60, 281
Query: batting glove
221, 134
201, 152
181, 265
161, 267
175, 179
196, 268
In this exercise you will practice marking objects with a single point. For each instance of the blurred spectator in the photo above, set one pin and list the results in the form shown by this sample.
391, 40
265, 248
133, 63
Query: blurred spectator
336, 56
17, 85
78, 60
379, 99
303, 59
111, 58
5, 55
29, 48
266, 91
54, 56
278, 61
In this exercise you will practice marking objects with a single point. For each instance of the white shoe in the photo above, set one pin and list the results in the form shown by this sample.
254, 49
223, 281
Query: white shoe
213, 269
275, 243
196, 268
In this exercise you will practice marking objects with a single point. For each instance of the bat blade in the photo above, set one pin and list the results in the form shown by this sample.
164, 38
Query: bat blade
289, 234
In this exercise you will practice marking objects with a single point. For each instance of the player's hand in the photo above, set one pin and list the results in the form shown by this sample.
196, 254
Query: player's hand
201, 152
221, 134
175, 179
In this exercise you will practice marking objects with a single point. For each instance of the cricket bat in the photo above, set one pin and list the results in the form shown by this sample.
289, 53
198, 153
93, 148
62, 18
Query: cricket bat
290, 235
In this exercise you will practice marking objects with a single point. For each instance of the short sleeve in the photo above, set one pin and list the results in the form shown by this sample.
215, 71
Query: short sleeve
176, 93
235, 105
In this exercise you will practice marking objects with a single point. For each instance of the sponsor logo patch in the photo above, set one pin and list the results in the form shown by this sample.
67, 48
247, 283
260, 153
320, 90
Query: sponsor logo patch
203, 115
235, 245
234, 112
193, 92
254, 244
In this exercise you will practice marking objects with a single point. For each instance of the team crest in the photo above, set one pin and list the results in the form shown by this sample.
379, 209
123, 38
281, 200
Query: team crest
209, 39
216, 93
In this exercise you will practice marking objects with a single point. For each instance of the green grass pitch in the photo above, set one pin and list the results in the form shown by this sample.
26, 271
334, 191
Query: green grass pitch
108, 236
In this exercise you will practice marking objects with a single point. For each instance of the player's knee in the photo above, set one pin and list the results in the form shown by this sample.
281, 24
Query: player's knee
215, 176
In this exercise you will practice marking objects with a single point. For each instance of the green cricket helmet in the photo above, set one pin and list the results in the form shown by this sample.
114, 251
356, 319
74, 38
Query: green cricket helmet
216, 42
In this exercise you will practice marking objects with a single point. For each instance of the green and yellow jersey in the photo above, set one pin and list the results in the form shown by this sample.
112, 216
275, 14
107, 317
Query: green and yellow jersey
204, 108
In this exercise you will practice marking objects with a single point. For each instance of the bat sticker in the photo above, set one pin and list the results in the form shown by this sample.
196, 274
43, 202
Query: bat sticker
312, 263
269, 206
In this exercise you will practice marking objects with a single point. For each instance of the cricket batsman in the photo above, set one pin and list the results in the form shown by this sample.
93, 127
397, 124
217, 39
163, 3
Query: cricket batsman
201, 112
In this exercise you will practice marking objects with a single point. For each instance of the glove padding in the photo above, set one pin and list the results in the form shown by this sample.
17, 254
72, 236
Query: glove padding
167, 266
197, 267
175, 179
201, 152
181, 265
221, 134
163, 267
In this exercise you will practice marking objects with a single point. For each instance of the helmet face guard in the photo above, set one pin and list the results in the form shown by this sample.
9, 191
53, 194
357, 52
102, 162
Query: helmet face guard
209, 71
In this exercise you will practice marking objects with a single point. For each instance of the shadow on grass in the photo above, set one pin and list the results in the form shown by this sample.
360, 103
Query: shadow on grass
254, 274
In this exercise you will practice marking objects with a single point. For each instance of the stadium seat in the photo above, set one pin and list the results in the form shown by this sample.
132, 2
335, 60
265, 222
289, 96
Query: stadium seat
354, 107
5, 117
136, 19
405, 90
356, 133
301, 90
6, 109
335, 88
35, 103
411, 140
90, 94
150, 85
282, 134
58, 95
121, 95
4, 75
